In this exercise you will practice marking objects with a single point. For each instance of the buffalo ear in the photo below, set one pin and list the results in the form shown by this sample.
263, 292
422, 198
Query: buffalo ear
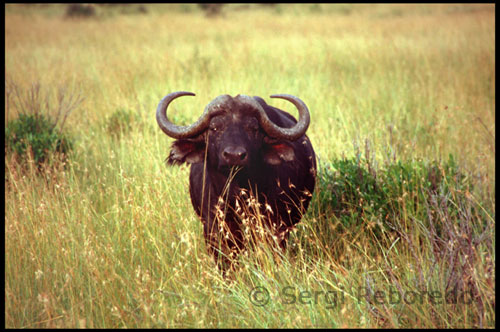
186, 151
276, 153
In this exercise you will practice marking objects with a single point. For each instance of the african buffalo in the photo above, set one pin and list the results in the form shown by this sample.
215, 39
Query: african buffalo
241, 146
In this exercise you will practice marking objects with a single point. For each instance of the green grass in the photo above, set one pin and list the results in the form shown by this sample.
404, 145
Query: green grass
110, 238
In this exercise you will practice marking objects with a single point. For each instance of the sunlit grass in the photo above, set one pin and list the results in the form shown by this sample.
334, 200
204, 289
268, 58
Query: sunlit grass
111, 239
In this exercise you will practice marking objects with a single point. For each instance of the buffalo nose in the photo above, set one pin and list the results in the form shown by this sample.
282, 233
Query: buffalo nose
234, 155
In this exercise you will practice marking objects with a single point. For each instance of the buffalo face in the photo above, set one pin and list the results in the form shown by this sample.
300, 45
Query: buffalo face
232, 135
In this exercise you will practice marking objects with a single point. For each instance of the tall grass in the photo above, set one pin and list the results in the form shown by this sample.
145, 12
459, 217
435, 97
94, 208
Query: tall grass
111, 239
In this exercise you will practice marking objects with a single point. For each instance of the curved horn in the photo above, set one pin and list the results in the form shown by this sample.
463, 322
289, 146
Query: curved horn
293, 133
173, 130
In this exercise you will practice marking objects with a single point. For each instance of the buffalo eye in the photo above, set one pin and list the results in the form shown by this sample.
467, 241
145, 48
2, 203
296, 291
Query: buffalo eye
252, 127
216, 125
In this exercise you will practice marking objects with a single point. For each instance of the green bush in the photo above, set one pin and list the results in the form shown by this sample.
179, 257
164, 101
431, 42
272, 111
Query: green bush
354, 188
38, 129
37, 133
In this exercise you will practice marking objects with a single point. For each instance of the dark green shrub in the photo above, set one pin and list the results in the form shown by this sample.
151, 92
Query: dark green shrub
38, 129
38, 134
352, 189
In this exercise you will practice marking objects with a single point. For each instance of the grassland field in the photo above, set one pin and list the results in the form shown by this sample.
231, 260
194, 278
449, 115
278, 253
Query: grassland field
110, 239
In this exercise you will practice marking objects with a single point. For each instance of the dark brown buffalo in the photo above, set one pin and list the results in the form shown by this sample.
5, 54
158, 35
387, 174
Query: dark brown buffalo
242, 147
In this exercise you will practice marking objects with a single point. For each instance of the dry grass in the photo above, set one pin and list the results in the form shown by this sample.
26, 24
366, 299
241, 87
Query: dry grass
111, 240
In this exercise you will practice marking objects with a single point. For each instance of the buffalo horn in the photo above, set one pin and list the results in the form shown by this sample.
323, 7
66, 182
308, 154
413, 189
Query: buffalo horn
173, 130
276, 131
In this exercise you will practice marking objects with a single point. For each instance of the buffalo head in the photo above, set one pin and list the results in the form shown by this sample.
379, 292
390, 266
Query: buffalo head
238, 132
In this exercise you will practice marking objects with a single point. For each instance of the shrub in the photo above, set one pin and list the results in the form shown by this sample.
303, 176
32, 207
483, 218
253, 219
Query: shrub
38, 129
35, 133
353, 188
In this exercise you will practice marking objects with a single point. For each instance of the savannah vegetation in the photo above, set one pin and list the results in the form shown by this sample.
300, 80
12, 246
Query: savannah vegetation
401, 229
